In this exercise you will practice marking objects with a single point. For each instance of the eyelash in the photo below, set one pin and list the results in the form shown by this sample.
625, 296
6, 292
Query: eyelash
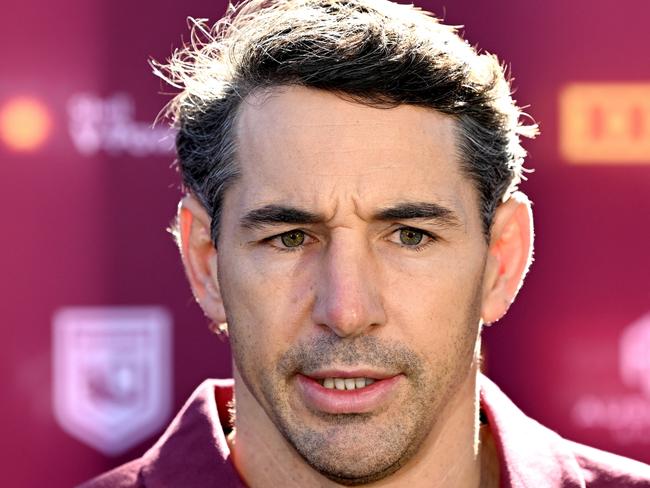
281, 248
430, 239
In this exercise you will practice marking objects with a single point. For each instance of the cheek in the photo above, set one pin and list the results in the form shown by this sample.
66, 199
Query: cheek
437, 292
437, 310
262, 308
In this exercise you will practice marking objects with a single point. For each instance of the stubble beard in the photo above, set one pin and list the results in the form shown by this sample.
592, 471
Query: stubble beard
357, 449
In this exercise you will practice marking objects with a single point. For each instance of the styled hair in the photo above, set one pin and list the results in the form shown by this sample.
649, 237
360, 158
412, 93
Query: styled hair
374, 52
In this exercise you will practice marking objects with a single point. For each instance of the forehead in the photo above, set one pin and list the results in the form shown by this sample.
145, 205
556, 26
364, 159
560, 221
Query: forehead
313, 148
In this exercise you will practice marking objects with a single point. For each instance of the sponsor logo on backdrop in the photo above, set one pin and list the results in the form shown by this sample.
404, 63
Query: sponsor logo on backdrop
605, 123
25, 123
112, 374
108, 124
626, 416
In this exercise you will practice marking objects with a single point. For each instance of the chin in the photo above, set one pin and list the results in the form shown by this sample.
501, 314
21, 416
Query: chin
358, 449
360, 477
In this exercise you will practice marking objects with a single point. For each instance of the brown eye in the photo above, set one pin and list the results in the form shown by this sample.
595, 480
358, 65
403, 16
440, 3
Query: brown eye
410, 237
293, 238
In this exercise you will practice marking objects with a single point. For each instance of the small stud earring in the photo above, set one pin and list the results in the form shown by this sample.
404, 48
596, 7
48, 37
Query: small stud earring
218, 329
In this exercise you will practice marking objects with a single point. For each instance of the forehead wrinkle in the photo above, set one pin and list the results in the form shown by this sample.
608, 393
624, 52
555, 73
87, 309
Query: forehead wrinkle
337, 208
380, 163
343, 215
322, 164
339, 218
333, 206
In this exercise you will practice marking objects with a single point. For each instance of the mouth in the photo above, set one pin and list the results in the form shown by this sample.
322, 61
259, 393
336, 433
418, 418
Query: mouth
345, 383
347, 392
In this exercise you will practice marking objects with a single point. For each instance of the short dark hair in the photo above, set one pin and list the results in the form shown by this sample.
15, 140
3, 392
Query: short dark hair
371, 51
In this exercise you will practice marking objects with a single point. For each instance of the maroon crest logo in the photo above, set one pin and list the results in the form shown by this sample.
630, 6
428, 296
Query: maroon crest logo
112, 374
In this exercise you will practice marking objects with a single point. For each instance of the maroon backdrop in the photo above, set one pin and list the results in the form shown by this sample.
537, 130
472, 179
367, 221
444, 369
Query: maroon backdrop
88, 193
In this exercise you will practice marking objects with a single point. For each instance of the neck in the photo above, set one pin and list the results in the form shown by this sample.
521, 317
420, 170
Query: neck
450, 455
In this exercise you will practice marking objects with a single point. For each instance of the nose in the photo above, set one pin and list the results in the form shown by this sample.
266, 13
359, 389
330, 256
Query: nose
348, 299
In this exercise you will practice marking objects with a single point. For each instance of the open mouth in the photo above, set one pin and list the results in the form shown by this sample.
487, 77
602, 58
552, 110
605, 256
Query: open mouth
337, 395
345, 383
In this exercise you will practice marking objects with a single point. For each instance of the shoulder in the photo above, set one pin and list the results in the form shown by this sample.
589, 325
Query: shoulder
605, 469
533, 455
125, 476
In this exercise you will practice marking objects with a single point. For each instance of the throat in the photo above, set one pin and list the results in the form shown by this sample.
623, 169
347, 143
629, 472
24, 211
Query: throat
490, 470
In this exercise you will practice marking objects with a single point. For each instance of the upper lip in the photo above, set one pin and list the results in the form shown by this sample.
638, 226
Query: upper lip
350, 373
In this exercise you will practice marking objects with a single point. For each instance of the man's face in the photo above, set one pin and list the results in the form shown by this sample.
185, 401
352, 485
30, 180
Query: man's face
351, 256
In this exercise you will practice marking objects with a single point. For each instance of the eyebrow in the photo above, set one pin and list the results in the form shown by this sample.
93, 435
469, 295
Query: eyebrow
420, 211
280, 214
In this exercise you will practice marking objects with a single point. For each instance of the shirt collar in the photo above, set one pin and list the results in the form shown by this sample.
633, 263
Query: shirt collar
529, 453
194, 452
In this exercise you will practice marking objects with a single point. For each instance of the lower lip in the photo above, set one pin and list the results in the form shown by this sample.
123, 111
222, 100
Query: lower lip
363, 400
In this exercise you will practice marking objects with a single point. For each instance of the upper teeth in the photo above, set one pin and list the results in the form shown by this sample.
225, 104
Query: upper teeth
346, 383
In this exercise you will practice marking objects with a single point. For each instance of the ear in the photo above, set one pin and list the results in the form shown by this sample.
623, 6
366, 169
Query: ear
510, 256
200, 257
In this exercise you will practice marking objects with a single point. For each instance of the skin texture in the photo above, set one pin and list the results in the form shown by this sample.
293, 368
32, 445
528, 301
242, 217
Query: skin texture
394, 296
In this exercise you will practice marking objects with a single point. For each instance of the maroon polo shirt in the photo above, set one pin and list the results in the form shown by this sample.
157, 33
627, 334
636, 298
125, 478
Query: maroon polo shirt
193, 451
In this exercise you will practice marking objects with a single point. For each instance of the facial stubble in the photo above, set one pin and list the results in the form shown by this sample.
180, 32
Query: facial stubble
357, 449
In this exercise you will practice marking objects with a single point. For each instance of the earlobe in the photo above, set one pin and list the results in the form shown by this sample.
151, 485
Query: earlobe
199, 257
510, 256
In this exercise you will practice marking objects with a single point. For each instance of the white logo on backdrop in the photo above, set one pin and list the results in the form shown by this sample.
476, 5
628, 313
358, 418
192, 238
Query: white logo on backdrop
626, 416
634, 357
108, 124
112, 374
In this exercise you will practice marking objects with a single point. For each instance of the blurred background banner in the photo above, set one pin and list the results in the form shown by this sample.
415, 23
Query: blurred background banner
88, 192
111, 374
